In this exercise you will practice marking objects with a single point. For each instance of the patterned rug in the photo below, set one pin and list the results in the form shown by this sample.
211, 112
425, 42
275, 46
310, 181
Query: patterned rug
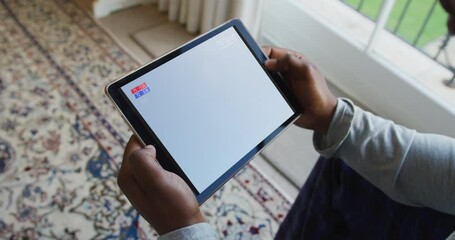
61, 142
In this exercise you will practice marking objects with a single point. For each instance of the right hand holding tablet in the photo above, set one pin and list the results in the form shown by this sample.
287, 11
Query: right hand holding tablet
317, 103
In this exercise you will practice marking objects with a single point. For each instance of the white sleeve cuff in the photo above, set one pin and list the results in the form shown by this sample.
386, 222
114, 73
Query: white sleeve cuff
195, 231
327, 145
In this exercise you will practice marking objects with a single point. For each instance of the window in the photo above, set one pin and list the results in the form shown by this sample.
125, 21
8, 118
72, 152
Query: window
383, 72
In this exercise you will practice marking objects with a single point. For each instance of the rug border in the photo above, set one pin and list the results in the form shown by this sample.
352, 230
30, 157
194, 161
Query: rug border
276, 187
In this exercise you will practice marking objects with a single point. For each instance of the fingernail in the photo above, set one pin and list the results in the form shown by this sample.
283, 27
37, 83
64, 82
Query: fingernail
149, 147
270, 62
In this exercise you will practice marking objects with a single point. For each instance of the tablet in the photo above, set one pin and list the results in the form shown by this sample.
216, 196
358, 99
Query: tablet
208, 106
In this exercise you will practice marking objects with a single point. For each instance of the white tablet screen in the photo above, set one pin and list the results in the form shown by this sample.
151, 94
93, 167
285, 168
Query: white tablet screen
209, 106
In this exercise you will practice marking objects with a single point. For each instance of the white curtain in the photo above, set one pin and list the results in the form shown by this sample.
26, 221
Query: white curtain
203, 15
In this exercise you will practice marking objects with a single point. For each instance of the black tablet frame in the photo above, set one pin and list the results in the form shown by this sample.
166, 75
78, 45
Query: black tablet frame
147, 136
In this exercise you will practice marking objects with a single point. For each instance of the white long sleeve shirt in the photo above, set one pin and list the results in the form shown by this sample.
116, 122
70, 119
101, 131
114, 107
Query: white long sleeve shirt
411, 168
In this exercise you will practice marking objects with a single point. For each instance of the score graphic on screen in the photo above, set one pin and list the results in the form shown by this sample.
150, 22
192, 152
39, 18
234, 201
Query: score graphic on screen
140, 90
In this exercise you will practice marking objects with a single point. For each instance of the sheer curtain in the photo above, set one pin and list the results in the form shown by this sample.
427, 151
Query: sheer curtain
203, 15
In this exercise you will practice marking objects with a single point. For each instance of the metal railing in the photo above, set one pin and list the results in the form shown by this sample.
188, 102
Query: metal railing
382, 16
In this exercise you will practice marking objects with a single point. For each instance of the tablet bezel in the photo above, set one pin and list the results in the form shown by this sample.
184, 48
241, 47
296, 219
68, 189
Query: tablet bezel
147, 135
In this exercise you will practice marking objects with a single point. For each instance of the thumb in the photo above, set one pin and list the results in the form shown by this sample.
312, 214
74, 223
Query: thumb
283, 64
150, 150
146, 170
276, 65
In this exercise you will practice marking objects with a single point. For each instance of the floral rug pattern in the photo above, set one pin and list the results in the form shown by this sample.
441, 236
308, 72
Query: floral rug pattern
61, 141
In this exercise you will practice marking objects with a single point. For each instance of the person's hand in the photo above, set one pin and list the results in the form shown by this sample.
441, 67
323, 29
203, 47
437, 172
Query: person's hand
316, 103
161, 197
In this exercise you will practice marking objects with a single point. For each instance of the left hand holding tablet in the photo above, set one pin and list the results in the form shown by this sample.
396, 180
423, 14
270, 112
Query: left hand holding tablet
161, 197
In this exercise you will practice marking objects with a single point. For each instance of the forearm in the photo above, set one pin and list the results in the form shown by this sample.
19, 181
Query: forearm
412, 168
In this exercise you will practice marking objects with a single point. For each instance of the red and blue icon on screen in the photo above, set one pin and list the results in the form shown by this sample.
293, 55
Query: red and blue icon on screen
140, 90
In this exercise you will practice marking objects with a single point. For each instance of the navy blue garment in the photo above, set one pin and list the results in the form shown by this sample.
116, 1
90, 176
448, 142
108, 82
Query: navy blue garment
337, 203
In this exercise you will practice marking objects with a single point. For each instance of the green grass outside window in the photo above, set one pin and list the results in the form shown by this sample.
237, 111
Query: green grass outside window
413, 20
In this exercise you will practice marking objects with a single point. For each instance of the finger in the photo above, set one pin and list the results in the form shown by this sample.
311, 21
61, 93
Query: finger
125, 179
291, 62
124, 176
266, 50
148, 173
271, 65
279, 52
131, 189
125, 173
133, 144
280, 64
129, 186
300, 57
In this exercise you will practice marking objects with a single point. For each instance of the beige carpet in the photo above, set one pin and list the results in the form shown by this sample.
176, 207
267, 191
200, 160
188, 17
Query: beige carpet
61, 142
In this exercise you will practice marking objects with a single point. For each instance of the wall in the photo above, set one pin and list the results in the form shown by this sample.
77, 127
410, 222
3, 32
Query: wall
366, 77
102, 8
